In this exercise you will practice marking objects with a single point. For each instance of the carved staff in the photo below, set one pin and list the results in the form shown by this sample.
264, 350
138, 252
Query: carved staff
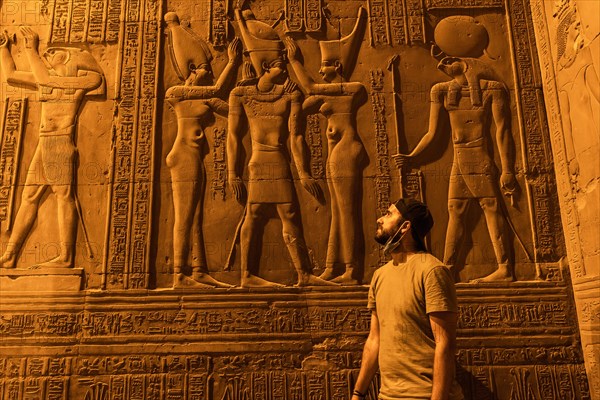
236, 237
392, 66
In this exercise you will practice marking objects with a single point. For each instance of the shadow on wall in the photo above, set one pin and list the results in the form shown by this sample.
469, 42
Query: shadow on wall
472, 386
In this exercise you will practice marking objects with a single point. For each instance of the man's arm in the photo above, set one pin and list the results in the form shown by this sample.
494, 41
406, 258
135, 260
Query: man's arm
443, 325
370, 359
298, 146
234, 140
503, 138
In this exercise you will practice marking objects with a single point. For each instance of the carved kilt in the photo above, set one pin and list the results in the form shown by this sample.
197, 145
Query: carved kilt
472, 174
270, 177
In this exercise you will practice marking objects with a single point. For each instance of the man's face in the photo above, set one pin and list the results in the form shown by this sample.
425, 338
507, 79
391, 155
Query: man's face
388, 224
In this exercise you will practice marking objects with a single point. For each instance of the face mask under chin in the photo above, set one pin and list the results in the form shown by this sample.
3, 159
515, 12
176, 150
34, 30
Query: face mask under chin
391, 243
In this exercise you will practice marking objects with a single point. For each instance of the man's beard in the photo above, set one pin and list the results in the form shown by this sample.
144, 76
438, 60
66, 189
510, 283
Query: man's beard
382, 237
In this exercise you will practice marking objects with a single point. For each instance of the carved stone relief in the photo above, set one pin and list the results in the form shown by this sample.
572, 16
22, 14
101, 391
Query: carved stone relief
220, 167
567, 43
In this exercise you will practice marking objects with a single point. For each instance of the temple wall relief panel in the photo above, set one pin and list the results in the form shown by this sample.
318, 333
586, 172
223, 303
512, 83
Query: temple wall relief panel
189, 192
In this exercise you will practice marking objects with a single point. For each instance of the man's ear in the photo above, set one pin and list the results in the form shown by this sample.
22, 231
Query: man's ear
265, 66
405, 226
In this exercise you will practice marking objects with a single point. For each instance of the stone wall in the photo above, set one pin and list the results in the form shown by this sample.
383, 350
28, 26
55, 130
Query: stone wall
189, 192
568, 47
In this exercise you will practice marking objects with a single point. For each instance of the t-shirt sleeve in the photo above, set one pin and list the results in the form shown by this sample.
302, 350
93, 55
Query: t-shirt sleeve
440, 293
372, 288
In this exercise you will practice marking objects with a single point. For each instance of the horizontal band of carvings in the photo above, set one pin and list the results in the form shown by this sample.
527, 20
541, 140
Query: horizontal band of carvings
286, 356
586, 284
480, 291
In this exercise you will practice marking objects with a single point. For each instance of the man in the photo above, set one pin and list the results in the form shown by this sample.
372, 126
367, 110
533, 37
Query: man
63, 77
413, 321
272, 105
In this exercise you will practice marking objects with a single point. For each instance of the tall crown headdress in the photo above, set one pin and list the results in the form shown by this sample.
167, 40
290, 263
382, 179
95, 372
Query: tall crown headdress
186, 48
261, 42
344, 49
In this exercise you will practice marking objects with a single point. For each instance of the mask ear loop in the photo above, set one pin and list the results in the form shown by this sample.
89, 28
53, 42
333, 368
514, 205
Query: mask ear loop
393, 242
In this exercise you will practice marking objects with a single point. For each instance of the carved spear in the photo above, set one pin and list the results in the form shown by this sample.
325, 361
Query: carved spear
392, 66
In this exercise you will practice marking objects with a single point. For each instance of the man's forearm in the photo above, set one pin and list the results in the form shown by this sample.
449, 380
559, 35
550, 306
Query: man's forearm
443, 371
369, 365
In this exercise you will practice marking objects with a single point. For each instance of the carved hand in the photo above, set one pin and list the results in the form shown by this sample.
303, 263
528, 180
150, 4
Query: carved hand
402, 160
292, 48
4, 39
234, 51
508, 183
238, 188
311, 187
32, 39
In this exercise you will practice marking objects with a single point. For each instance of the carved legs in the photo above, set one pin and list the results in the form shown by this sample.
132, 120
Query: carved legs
250, 234
294, 240
67, 227
495, 224
187, 229
24, 220
456, 229
341, 245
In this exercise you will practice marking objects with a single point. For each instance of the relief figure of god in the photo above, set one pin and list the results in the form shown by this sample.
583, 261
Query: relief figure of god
338, 100
63, 77
578, 83
470, 101
272, 105
195, 102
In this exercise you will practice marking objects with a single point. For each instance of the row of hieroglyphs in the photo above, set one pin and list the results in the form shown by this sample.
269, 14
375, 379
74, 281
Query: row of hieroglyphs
233, 377
554, 317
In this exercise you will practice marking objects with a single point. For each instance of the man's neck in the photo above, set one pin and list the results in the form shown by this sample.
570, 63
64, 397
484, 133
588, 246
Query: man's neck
401, 255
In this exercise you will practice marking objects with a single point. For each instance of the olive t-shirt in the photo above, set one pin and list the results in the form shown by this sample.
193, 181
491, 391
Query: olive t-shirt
403, 295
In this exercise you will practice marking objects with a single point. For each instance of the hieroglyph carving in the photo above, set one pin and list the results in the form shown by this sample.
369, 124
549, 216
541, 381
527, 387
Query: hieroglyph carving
63, 76
470, 102
303, 15
11, 132
315, 144
130, 204
432, 4
272, 105
219, 25
85, 21
383, 178
194, 102
560, 159
396, 22
338, 100
542, 199
577, 79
